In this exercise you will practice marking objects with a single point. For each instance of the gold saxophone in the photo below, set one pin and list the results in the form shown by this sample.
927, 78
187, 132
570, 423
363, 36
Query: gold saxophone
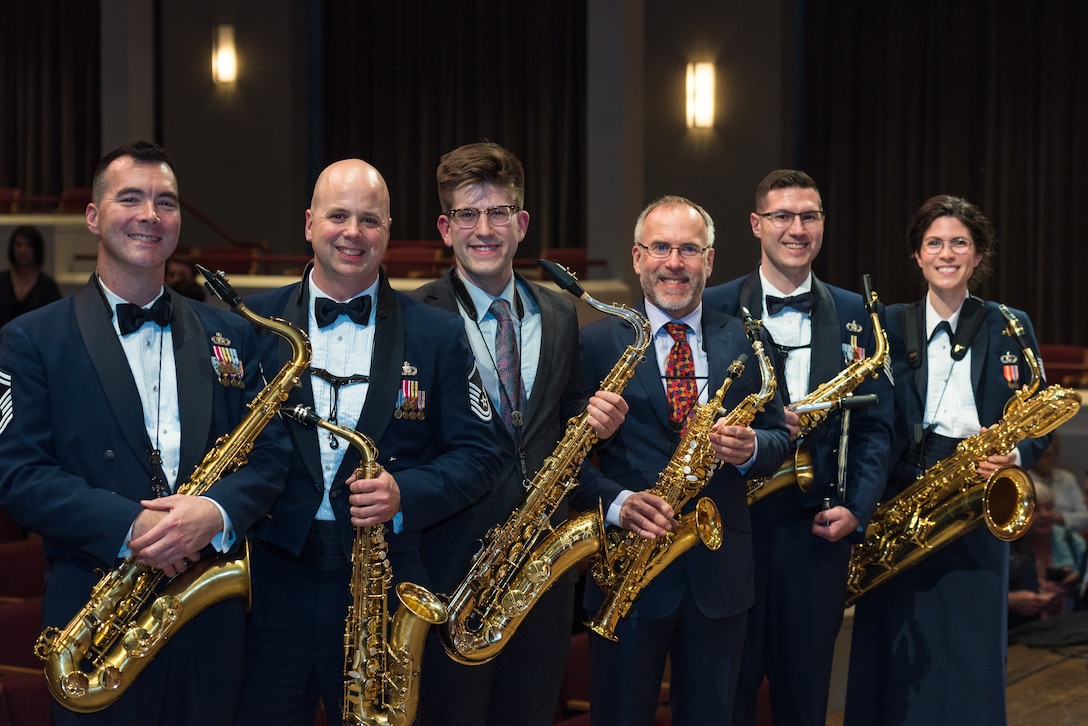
949, 499
127, 621
524, 556
813, 409
381, 684
631, 562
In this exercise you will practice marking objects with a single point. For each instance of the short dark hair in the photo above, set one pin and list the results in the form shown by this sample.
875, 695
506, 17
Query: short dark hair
784, 179
982, 232
482, 163
31, 235
146, 152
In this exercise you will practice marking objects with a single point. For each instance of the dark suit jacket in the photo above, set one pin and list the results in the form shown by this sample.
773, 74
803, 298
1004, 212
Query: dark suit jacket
833, 309
75, 452
721, 581
443, 463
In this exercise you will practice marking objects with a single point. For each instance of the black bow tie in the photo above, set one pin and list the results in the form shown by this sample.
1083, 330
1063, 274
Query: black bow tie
131, 318
943, 325
327, 311
801, 303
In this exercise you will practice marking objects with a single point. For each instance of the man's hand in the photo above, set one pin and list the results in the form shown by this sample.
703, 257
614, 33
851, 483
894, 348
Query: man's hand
1029, 604
793, 423
732, 444
373, 501
171, 531
647, 515
834, 524
606, 410
993, 462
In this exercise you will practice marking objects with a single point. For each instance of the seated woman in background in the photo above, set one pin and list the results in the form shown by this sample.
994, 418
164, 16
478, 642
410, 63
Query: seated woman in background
1046, 565
25, 287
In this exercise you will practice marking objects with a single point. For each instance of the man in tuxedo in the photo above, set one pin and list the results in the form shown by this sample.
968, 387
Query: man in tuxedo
695, 610
482, 191
399, 372
802, 538
108, 400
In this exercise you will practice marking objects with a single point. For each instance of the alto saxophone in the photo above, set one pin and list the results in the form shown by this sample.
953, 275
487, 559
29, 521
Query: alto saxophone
381, 684
949, 499
524, 556
630, 562
128, 619
814, 408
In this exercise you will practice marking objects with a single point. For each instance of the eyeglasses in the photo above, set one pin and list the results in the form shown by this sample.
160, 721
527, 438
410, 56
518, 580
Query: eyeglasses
934, 245
469, 217
662, 251
782, 219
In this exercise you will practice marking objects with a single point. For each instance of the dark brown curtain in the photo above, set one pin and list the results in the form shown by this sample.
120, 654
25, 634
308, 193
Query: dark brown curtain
405, 82
986, 99
49, 112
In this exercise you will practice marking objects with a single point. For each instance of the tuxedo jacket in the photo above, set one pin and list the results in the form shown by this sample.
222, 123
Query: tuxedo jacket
720, 581
559, 392
991, 376
840, 324
74, 460
443, 462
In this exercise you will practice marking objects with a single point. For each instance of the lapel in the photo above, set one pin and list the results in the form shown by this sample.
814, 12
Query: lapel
647, 375
387, 359
192, 354
972, 318
95, 324
305, 442
827, 357
720, 345
917, 311
546, 361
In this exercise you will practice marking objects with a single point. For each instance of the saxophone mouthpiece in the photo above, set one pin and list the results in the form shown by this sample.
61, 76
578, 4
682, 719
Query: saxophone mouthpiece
217, 285
302, 414
562, 277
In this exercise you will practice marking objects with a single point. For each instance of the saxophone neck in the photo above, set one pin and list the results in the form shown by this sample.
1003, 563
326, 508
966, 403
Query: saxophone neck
1015, 330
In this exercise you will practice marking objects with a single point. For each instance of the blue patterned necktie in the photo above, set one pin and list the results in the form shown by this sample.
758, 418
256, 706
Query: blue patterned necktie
507, 364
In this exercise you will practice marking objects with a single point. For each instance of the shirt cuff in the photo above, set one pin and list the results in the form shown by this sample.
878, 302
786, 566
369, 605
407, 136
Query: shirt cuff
223, 541
612, 516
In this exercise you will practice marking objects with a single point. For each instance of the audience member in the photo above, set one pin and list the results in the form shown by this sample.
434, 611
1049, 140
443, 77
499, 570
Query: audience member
403, 374
695, 611
929, 644
109, 412
181, 279
24, 286
1046, 565
1069, 506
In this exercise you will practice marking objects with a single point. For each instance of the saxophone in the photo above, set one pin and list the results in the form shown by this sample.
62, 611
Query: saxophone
631, 562
524, 556
128, 620
381, 684
814, 408
949, 499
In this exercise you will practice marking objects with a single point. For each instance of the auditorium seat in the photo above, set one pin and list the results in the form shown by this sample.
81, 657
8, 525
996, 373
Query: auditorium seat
1065, 364
74, 200
9, 200
22, 569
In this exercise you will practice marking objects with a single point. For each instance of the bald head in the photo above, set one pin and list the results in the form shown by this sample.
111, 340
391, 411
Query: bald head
351, 174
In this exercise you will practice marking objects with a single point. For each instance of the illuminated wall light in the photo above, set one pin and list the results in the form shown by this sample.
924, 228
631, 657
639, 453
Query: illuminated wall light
224, 60
700, 95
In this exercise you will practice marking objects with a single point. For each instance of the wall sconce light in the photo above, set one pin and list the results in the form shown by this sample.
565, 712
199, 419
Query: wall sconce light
700, 95
224, 60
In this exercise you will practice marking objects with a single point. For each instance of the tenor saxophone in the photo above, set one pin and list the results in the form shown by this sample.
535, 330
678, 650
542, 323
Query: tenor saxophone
813, 409
524, 556
949, 499
630, 562
381, 674
128, 618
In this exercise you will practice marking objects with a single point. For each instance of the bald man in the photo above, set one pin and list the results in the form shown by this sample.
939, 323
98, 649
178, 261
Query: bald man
400, 372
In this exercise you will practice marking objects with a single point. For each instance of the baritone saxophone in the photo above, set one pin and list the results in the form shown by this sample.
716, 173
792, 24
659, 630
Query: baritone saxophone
813, 409
949, 499
381, 673
129, 618
630, 562
524, 556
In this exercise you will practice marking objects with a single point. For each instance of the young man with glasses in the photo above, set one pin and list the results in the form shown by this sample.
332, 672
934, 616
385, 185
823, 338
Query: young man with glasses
694, 611
534, 382
395, 370
802, 539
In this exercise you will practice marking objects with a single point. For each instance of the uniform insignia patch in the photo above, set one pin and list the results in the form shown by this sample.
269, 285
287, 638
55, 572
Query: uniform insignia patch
7, 409
478, 402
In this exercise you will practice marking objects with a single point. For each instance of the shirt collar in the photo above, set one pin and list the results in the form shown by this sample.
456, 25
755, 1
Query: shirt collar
482, 300
933, 319
658, 318
769, 289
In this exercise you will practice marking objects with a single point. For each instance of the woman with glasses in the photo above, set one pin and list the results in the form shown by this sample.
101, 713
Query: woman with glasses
929, 645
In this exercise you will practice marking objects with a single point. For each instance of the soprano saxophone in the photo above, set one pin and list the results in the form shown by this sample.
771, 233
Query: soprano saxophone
381, 674
129, 619
813, 409
949, 499
631, 562
523, 557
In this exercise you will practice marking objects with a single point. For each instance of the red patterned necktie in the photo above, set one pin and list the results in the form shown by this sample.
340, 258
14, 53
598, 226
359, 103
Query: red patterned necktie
681, 388
507, 364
